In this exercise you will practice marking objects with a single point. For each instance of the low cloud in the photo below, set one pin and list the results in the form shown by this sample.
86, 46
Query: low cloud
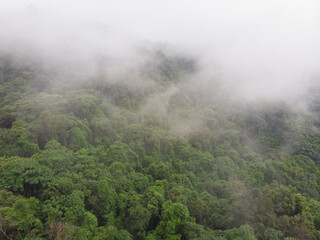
263, 49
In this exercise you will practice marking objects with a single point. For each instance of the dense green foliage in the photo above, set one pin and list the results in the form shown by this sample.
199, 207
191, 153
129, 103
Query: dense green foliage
99, 159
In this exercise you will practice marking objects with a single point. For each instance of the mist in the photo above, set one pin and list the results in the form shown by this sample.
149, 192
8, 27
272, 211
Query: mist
146, 119
261, 49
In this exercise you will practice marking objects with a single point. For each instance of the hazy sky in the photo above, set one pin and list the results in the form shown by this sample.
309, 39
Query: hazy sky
267, 47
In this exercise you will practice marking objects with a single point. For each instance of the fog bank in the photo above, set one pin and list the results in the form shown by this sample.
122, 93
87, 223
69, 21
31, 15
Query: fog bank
265, 49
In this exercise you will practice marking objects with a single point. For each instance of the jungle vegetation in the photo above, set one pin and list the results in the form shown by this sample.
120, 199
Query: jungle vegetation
98, 158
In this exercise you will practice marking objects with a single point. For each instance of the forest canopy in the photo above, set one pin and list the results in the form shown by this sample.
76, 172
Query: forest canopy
89, 157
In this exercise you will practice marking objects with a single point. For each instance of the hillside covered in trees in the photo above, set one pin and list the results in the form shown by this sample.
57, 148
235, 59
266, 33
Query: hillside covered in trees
150, 155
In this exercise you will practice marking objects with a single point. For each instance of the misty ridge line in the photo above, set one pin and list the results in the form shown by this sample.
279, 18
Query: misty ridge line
142, 70
233, 74
145, 76
175, 97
